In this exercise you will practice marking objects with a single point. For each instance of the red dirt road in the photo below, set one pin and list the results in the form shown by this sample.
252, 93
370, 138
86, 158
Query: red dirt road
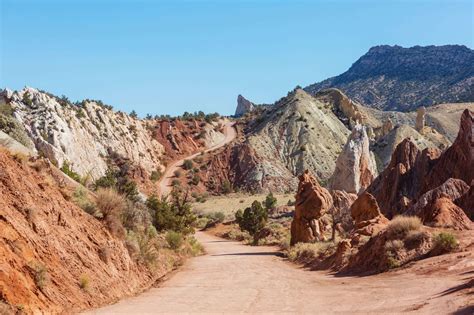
235, 278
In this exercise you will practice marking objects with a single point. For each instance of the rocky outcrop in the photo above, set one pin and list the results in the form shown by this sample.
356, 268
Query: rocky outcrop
343, 107
341, 210
443, 213
312, 202
452, 189
420, 119
458, 160
355, 166
83, 134
243, 106
466, 202
412, 172
368, 220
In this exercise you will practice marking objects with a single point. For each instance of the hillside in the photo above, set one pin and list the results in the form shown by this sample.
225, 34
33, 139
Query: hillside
303, 131
403, 79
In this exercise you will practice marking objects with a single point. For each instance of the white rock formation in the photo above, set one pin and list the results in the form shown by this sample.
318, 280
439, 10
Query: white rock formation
83, 135
355, 166
420, 119
243, 106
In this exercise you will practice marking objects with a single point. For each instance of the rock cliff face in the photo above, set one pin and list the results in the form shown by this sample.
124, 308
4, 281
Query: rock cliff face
243, 106
368, 220
397, 78
83, 135
355, 166
312, 202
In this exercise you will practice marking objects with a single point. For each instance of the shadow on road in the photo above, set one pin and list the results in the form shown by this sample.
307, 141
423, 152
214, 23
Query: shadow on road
253, 254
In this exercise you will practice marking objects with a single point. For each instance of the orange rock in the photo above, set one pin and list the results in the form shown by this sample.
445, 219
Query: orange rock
312, 201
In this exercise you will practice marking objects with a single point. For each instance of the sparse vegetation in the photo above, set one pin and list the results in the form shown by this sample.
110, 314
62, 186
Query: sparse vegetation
399, 226
444, 242
156, 175
252, 219
270, 201
188, 164
66, 169
84, 282
174, 239
305, 253
110, 206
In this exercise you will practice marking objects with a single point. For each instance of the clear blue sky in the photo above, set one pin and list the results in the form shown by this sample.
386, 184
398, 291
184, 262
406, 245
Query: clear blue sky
171, 56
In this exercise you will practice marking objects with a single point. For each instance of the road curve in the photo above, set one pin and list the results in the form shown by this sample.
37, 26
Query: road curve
234, 278
165, 183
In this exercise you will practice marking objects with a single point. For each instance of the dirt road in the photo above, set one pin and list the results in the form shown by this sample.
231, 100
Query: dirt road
234, 278
165, 182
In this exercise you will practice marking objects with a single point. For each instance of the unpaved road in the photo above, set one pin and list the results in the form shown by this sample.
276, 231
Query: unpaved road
234, 278
165, 183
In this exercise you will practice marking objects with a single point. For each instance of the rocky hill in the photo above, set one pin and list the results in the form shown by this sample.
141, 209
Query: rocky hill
89, 136
303, 131
403, 79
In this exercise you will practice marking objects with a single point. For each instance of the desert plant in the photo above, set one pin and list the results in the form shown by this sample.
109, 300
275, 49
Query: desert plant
252, 219
399, 226
177, 173
66, 169
81, 199
174, 239
270, 201
196, 179
111, 205
156, 175
226, 187
444, 242
188, 164
40, 274
308, 252
84, 282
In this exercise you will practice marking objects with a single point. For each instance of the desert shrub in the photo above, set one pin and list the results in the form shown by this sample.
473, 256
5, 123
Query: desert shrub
226, 187
444, 242
401, 225
175, 183
84, 282
111, 205
290, 203
188, 164
144, 246
237, 234
252, 219
177, 173
156, 175
27, 99
196, 179
120, 181
174, 239
40, 273
133, 114
392, 262
394, 246
81, 199
193, 247
270, 201
308, 252
415, 238
135, 216
109, 180
66, 169
175, 215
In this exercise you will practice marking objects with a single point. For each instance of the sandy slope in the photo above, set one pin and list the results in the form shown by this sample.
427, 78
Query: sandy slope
235, 278
165, 183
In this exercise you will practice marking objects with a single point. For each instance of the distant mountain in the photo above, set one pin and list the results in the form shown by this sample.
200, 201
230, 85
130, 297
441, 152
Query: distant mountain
397, 78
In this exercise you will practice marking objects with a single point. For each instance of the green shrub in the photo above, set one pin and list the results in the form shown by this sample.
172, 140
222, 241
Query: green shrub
252, 219
444, 242
66, 169
195, 180
81, 199
188, 164
27, 99
270, 201
174, 239
226, 187
177, 173
193, 247
156, 175
308, 252
400, 226
175, 215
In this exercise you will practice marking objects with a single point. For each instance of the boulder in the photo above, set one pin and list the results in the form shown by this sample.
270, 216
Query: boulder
243, 106
312, 202
466, 202
355, 166
368, 219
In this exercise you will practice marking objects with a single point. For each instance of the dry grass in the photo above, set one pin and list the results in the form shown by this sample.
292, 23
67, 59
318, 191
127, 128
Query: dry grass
307, 252
400, 226
111, 205
230, 203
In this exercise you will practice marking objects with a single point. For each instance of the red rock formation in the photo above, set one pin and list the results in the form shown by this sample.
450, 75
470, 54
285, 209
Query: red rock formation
368, 219
341, 210
312, 202
412, 173
43, 234
466, 202
458, 160
442, 212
